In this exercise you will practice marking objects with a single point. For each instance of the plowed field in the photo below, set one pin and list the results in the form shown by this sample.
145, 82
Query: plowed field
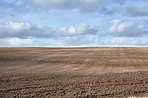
74, 72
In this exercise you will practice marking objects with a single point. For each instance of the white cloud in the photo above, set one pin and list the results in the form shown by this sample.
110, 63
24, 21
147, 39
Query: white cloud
26, 30
128, 28
79, 29
16, 42
82, 40
15, 27
22, 30
137, 41
25, 34
78, 40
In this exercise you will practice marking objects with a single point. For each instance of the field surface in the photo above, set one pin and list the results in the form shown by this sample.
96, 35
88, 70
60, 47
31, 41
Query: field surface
74, 72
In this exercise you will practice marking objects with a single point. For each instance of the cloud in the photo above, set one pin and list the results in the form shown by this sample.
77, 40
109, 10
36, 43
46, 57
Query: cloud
13, 2
78, 40
104, 6
79, 29
130, 8
16, 42
51, 3
82, 40
22, 30
26, 30
126, 41
83, 5
138, 8
25, 34
128, 28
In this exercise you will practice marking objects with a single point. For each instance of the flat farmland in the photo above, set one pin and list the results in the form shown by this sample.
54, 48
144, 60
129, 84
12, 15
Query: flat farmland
74, 72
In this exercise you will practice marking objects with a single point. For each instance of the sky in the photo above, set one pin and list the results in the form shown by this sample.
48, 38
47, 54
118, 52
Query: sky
73, 23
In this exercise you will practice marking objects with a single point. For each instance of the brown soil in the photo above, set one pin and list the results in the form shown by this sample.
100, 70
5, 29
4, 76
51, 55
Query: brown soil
74, 72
